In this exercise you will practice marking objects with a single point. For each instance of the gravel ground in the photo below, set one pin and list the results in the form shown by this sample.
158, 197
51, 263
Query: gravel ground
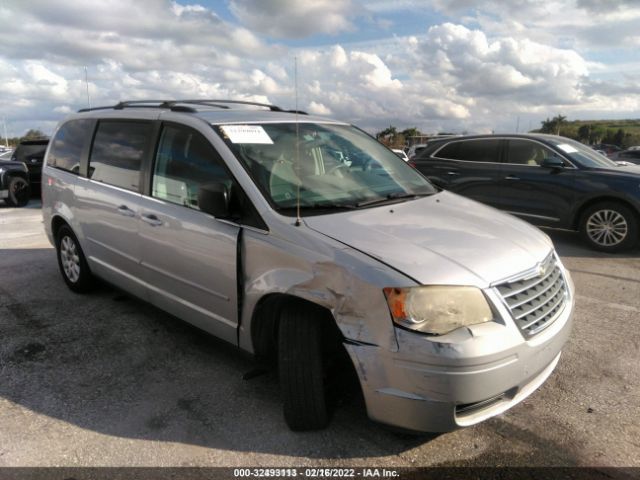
106, 380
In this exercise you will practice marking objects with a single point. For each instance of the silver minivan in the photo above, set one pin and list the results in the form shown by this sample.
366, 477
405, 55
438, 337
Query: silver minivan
299, 238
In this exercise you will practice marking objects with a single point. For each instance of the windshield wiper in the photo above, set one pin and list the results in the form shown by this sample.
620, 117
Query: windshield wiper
390, 198
322, 206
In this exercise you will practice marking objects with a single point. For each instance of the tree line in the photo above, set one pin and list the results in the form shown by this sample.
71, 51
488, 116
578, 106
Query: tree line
394, 138
593, 132
32, 134
625, 135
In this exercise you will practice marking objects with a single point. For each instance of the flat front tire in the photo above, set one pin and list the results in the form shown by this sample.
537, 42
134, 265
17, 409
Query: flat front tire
609, 227
301, 368
19, 192
72, 262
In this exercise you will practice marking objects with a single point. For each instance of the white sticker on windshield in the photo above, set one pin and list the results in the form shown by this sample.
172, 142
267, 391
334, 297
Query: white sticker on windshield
246, 134
566, 148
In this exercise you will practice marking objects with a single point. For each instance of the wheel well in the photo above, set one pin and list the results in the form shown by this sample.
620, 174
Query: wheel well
594, 201
18, 174
56, 223
265, 323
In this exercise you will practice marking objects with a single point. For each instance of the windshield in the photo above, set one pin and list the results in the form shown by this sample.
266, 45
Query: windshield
581, 154
331, 166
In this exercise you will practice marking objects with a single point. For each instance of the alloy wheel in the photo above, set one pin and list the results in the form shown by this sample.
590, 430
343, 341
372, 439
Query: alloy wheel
70, 259
607, 228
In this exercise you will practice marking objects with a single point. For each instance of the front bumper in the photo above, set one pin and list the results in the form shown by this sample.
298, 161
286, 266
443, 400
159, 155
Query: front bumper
473, 374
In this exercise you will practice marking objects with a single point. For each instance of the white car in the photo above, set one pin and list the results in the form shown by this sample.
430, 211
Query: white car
400, 153
416, 149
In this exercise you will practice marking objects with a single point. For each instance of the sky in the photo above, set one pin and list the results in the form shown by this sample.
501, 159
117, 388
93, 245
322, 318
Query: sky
442, 65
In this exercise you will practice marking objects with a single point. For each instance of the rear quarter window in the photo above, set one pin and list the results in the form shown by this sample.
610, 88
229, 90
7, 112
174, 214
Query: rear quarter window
472, 151
67, 146
26, 152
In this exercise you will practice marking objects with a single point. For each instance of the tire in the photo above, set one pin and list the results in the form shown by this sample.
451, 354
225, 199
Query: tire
19, 192
72, 262
609, 227
301, 367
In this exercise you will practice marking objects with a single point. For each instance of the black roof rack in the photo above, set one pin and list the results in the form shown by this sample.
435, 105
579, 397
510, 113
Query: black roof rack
183, 105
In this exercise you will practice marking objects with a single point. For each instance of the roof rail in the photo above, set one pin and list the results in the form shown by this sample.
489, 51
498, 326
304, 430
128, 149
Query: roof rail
183, 105
216, 103
170, 104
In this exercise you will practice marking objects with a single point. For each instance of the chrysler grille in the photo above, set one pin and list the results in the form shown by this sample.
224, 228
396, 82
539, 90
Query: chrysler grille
536, 301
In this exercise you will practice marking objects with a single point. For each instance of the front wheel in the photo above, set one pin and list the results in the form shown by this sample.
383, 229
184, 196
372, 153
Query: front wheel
19, 192
72, 262
302, 368
609, 227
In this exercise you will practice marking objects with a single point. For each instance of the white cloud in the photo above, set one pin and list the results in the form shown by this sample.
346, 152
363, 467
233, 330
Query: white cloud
506, 61
317, 108
295, 18
520, 70
589, 24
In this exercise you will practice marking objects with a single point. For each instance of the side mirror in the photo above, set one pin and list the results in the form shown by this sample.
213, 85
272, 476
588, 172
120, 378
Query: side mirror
553, 162
213, 198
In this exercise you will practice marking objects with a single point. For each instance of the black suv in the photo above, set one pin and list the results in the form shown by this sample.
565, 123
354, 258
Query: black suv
31, 153
14, 183
545, 179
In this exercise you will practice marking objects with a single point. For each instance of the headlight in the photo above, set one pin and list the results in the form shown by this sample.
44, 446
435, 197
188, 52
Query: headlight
437, 310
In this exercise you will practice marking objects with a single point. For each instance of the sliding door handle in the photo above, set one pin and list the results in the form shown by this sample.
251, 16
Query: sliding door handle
126, 211
151, 219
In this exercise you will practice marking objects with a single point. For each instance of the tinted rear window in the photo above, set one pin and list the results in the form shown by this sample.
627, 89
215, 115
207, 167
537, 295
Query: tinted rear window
67, 145
26, 152
117, 153
472, 150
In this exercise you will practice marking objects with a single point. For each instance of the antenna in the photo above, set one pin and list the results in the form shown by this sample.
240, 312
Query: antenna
86, 81
295, 76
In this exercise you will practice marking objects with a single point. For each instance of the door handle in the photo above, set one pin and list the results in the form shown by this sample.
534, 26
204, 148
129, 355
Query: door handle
452, 173
511, 177
126, 211
151, 219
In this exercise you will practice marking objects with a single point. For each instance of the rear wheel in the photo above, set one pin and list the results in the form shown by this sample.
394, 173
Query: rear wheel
609, 227
19, 192
72, 262
301, 367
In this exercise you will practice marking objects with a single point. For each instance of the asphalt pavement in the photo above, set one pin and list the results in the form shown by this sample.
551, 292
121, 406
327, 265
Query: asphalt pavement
106, 380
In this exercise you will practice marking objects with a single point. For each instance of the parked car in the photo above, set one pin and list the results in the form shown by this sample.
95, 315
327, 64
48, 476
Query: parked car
14, 183
401, 154
240, 222
547, 180
31, 153
607, 147
629, 155
415, 150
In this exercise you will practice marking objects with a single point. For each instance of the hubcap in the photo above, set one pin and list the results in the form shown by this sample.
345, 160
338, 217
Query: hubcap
70, 259
607, 228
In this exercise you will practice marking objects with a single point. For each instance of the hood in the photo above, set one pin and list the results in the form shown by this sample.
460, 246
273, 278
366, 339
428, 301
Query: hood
12, 164
444, 239
632, 171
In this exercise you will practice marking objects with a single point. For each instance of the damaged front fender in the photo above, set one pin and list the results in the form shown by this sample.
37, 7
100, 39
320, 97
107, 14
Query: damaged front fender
322, 271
